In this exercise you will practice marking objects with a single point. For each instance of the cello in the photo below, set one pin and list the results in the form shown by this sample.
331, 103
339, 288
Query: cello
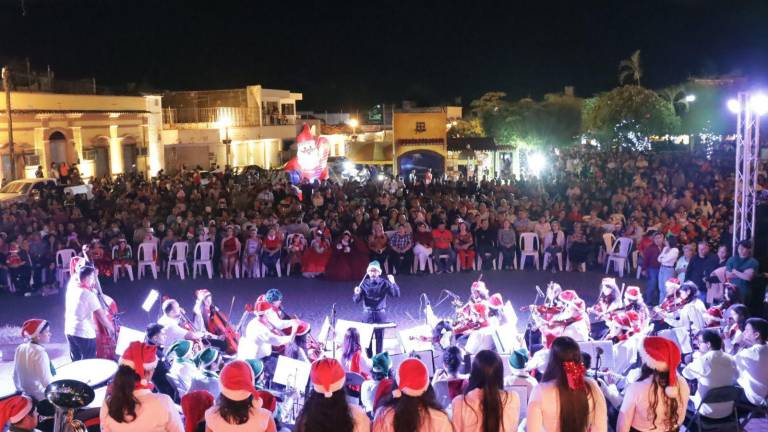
219, 324
106, 343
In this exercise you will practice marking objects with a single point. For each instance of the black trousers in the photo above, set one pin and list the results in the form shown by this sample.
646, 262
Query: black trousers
376, 317
81, 348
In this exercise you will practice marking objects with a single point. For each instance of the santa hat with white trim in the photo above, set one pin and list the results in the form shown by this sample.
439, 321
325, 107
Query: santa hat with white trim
412, 378
633, 293
327, 376
33, 327
480, 287
662, 355
14, 409
237, 382
495, 301
672, 284
140, 357
262, 307
201, 294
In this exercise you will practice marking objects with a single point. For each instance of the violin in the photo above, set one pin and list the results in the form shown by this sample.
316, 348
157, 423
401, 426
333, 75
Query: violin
671, 304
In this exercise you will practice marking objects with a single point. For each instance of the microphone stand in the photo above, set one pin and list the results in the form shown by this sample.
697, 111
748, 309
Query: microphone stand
529, 324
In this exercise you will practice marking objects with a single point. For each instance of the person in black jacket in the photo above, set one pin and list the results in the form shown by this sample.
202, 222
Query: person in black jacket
701, 266
373, 292
159, 377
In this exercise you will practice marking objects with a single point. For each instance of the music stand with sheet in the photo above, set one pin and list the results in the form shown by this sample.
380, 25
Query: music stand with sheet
607, 360
364, 329
125, 337
411, 339
292, 373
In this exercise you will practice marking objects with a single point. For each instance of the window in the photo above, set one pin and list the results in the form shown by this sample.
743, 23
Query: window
421, 127
31, 160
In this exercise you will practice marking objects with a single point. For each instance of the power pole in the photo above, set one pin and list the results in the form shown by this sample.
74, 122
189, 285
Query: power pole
11, 152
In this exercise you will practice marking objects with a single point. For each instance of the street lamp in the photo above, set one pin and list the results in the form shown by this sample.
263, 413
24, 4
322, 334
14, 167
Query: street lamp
353, 123
224, 123
690, 98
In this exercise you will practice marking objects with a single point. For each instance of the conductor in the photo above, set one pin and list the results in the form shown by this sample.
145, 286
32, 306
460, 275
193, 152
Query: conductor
373, 291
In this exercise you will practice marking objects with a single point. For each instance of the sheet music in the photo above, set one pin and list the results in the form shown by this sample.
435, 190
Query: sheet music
126, 336
417, 338
365, 330
292, 372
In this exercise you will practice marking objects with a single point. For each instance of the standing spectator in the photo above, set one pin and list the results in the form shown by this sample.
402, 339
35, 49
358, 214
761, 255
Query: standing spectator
658, 399
712, 368
401, 254
64, 173
651, 267
740, 269
681, 266
54, 171
442, 241
578, 248
507, 242
701, 267
39, 172
20, 267
424, 243
485, 405
667, 259
566, 400
751, 361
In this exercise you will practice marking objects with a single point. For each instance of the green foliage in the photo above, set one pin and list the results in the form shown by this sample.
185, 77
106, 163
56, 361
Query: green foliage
466, 128
630, 68
629, 112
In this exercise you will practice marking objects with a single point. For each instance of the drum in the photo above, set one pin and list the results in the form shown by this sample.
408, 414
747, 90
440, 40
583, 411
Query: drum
94, 372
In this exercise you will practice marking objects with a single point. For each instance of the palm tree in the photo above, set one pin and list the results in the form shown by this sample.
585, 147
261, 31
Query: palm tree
677, 97
630, 68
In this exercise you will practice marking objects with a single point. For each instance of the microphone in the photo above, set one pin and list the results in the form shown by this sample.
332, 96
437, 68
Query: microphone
426, 299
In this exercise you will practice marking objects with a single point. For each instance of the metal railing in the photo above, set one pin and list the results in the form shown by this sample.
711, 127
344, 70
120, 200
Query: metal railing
222, 117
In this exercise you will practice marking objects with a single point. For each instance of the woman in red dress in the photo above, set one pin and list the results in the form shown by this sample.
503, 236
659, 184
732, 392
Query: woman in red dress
343, 263
316, 256
230, 252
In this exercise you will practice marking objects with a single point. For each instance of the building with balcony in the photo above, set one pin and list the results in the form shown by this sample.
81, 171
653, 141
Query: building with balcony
238, 127
105, 135
420, 138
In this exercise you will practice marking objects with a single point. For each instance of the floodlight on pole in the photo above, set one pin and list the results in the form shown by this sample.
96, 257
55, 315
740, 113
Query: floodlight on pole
758, 103
690, 98
734, 106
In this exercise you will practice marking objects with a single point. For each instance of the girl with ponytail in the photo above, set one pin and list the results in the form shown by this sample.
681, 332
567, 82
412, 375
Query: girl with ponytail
485, 406
566, 400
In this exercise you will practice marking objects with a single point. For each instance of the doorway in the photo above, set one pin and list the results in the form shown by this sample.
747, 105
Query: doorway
130, 152
58, 146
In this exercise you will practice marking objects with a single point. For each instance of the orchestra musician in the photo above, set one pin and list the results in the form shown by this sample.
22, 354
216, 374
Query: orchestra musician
572, 321
264, 341
608, 301
82, 310
715, 315
32, 368
542, 314
473, 314
733, 333
633, 301
173, 328
690, 310
208, 317
183, 369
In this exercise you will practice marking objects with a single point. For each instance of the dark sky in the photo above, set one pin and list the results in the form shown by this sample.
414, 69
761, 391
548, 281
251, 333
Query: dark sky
351, 56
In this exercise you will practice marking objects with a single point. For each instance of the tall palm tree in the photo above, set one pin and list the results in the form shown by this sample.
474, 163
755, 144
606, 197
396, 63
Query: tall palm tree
677, 97
630, 68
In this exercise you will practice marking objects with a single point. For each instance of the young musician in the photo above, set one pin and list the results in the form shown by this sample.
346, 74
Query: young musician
32, 368
566, 400
326, 409
691, 310
752, 360
238, 408
520, 376
413, 407
657, 401
183, 368
609, 299
154, 337
261, 339
352, 356
205, 319
381, 366
18, 412
208, 362
711, 368
373, 292
485, 405
131, 406
633, 301
573, 318
82, 309
171, 322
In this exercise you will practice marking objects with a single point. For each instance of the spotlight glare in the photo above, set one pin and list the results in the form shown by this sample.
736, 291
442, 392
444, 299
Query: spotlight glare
759, 104
690, 98
733, 106
536, 163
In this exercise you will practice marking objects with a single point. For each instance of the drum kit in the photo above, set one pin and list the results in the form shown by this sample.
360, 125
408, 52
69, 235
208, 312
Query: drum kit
77, 393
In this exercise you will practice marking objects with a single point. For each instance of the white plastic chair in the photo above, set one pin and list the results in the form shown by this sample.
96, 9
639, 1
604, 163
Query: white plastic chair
608, 240
446, 257
203, 258
146, 258
63, 257
427, 265
116, 266
548, 239
479, 264
529, 247
177, 259
619, 256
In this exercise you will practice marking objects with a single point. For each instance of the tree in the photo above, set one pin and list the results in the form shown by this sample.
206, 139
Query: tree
466, 128
628, 116
676, 96
630, 68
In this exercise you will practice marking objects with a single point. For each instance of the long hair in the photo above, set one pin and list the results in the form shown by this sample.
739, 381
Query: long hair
574, 404
658, 384
321, 414
351, 344
121, 403
488, 375
408, 411
452, 359
234, 412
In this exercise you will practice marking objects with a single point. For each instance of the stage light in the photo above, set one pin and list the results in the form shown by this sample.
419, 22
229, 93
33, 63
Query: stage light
758, 103
353, 123
690, 98
349, 166
150, 300
733, 106
536, 163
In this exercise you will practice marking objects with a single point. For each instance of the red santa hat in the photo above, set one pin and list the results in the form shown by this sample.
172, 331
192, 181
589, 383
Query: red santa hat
633, 293
570, 298
14, 409
303, 328
327, 376
412, 378
480, 287
672, 283
193, 405
140, 357
305, 135
261, 307
237, 382
495, 301
662, 355
201, 294
33, 327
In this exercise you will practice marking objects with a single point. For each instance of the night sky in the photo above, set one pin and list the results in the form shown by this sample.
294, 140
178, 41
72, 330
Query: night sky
352, 56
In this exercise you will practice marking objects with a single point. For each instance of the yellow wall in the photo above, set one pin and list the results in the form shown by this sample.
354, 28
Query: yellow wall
404, 127
74, 102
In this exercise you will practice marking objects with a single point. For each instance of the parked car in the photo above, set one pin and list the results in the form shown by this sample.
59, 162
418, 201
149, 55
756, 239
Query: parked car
19, 191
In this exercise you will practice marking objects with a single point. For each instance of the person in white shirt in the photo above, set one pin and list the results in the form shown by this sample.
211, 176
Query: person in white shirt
82, 308
381, 365
521, 375
667, 259
692, 316
326, 409
566, 400
238, 408
658, 400
171, 322
413, 407
260, 336
485, 405
752, 362
131, 405
32, 368
712, 368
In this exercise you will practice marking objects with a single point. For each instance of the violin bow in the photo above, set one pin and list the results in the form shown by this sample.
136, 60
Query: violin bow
231, 305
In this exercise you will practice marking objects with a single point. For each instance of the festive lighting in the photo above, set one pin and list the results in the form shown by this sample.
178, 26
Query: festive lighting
536, 163
758, 103
733, 106
353, 123
349, 166
690, 98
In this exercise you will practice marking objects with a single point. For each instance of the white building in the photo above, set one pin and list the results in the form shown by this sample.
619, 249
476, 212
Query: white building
248, 126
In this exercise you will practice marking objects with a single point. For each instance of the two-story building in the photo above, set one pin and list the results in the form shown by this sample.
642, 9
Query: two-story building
237, 127
420, 138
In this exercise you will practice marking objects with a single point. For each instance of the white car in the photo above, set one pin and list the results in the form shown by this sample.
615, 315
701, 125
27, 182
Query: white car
19, 191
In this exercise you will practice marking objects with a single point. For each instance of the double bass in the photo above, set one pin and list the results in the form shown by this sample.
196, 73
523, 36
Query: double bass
106, 342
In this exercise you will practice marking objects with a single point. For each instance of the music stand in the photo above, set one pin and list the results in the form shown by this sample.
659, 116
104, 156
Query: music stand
365, 330
680, 336
125, 337
411, 339
607, 360
292, 373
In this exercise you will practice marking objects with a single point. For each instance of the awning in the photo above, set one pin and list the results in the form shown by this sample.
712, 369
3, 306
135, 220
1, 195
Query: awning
472, 144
